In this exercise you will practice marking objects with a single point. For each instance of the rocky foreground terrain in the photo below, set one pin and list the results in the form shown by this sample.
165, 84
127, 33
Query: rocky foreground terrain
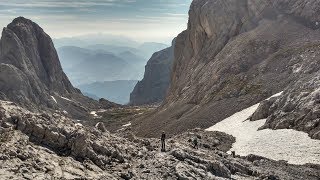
45, 146
234, 54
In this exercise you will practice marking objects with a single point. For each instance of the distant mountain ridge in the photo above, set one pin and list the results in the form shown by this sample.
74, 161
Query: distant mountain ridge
116, 91
85, 66
111, 43
144, 50
91, 39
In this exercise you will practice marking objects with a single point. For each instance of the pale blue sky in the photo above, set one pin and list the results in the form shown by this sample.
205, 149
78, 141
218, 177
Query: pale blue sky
143, 20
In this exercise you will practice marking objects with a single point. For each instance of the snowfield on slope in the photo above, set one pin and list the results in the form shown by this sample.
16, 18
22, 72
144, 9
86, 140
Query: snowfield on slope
285, 144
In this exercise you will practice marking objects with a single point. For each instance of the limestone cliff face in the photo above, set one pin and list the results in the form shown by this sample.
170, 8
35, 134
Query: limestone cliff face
233, 54
153, 87
31, 74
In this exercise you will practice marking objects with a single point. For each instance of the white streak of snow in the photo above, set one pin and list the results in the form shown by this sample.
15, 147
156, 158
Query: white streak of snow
275, 95
126, 125
66, 99
54, 99
285, 144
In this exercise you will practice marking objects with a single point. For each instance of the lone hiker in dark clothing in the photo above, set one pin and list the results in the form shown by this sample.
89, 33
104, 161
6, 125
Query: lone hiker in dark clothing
195, 143
233, 153
163, 145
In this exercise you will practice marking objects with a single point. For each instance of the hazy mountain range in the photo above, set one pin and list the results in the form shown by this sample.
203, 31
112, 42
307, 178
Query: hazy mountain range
86, 66
98, 58
111, 43
115, 91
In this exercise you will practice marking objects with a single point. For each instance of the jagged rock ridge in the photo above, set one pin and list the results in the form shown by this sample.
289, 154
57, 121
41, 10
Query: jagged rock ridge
153, 87
234, 54
31, 74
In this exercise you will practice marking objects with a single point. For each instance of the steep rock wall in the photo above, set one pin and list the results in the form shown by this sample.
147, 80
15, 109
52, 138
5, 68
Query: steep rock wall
234, 54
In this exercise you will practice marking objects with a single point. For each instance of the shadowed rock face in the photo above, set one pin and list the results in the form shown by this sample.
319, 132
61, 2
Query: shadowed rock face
31, 74
153, 87
234, 54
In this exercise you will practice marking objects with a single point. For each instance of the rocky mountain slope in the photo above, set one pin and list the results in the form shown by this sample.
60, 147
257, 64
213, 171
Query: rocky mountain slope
153, 87
31, 74
234, 54
46, 146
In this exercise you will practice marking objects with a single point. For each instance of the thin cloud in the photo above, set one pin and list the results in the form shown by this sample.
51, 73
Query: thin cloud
138, 18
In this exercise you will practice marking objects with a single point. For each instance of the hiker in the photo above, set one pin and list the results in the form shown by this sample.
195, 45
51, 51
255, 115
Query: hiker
233, 153
195, 143
163, 145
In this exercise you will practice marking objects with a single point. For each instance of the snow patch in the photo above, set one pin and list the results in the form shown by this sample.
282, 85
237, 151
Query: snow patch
94, 113
66, 99
54, 99
275, 95
127, 125
286, 144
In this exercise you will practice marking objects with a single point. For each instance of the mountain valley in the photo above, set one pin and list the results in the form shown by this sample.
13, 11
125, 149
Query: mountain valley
236, 96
